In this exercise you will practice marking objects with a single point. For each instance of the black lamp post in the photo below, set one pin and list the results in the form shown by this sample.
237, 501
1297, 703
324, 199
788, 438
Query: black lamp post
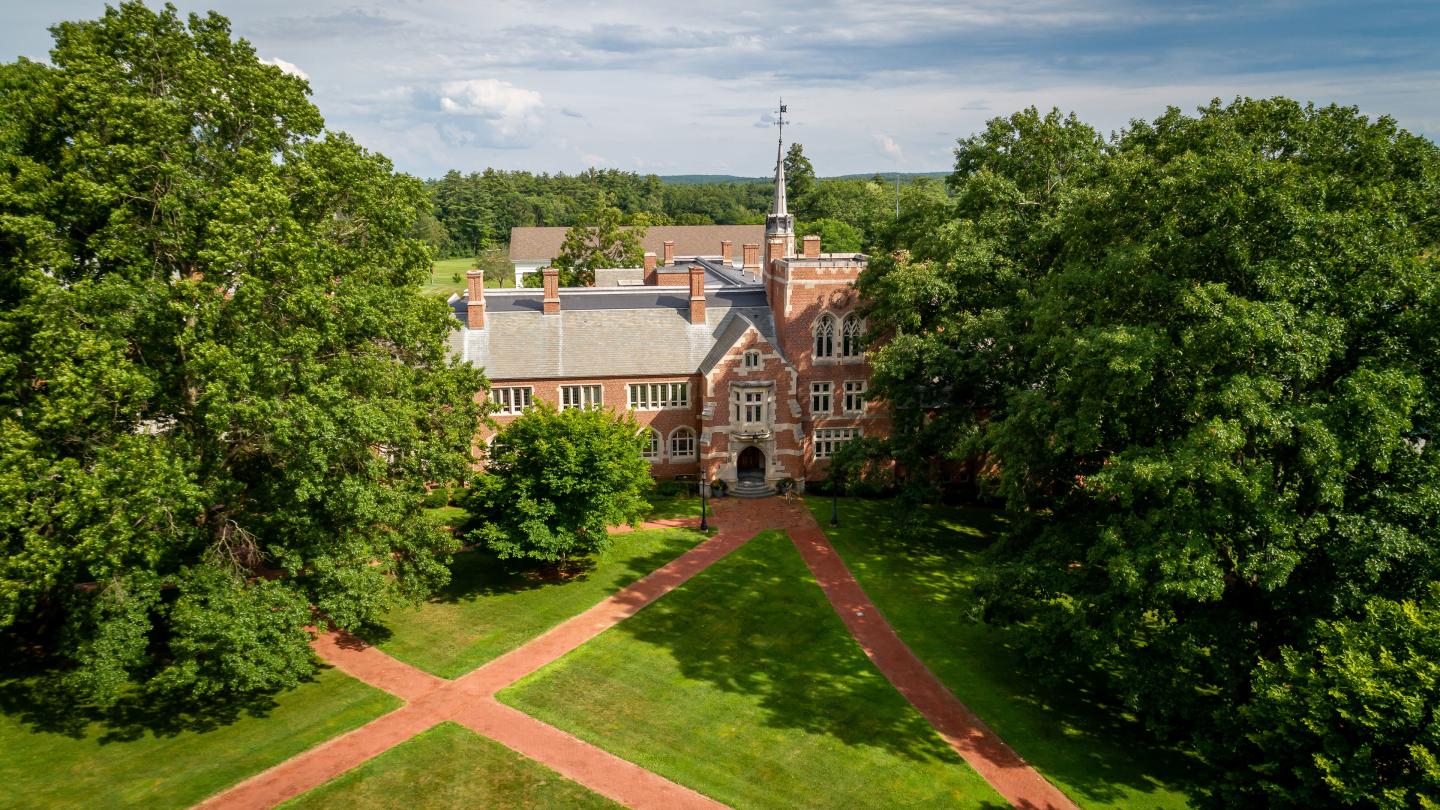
834, 504
704, 524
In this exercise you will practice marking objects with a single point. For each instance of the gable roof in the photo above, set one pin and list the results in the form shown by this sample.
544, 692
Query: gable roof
731, 330
607, 332
535, 244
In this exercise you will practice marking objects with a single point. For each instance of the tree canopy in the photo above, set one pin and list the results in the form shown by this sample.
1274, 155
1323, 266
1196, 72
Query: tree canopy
554, 481
1200, 360
222, 392
598, 241
799, 174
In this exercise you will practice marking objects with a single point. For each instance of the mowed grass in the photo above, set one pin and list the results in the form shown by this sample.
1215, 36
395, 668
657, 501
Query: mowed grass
918, 565
442, 277
450, 767
105, 768
493, 606
744, 685
675, 507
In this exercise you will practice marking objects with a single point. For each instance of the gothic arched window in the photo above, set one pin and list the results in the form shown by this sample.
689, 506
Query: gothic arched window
652, 450
850, 336
825, 337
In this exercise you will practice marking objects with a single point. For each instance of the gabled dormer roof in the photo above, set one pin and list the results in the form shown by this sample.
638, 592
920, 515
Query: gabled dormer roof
736, 326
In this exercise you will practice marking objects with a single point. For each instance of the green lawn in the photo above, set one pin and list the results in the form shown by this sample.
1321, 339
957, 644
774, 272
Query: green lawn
743, 684
679, 506
451, 516
442, 280
143, 769
491, 607
450, 767
918, 565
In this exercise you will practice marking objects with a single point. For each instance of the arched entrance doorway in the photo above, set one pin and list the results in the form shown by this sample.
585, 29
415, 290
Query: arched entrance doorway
750, 464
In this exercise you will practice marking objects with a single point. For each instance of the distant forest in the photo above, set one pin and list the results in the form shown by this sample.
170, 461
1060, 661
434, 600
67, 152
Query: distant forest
475, 212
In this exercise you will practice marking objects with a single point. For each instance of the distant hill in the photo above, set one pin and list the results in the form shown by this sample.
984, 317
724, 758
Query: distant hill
694, 179
888, 176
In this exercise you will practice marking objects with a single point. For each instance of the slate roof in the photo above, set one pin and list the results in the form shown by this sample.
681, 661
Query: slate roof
537, 244
608, 332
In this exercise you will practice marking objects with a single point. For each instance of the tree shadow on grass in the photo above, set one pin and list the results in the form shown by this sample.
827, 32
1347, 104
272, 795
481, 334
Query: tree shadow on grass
1062, 723
478, 574
37, 700
757, 624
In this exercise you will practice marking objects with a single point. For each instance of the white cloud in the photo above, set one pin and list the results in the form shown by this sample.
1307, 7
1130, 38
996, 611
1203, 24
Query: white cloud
510, 110
287, 67
889, 147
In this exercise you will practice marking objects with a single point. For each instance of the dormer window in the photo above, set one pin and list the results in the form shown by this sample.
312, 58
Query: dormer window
825, 336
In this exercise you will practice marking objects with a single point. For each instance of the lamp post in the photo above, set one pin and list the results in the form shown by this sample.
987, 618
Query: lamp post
834, 504
704, 524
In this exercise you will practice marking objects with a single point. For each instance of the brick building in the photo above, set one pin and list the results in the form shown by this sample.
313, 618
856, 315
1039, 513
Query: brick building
749, 371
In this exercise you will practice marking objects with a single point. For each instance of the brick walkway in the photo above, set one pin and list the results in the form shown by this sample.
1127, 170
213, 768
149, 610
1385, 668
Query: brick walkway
470, 699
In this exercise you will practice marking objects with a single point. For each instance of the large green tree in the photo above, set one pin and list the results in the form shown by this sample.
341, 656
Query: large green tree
799, 180
220, 391
1202, 358
599, 240
554, 481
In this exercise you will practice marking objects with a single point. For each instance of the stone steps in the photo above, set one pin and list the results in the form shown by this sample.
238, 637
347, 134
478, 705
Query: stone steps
751, 488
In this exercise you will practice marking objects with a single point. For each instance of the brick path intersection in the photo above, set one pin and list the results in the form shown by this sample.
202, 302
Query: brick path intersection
470, 699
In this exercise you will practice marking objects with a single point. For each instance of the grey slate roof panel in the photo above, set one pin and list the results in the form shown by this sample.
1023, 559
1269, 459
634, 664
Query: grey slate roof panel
607, 335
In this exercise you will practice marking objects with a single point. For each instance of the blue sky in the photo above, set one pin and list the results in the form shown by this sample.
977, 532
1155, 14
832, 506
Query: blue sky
681, 88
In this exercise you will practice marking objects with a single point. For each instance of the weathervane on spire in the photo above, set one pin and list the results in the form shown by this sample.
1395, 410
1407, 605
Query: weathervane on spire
780, 119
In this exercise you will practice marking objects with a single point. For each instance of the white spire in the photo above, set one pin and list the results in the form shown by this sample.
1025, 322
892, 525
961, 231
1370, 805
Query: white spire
779, 209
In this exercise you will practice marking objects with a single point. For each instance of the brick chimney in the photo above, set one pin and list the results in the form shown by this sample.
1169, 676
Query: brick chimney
812, 247
752, 258
774, 249
727, 251
669, 252
551, 303
475, 309
697, 294
649, 267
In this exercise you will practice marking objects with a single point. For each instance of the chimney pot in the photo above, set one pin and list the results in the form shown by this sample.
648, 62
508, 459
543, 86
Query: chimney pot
812, 247
697, 294
669, 252
550, 304
475, 293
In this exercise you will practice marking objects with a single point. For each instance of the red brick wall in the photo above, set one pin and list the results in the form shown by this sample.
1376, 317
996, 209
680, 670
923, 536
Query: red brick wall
813, 287
616, 397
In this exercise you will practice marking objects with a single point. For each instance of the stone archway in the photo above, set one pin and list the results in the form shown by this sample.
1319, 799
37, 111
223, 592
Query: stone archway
750, 463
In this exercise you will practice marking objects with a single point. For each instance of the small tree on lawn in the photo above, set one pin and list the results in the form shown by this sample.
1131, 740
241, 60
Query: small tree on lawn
555, 480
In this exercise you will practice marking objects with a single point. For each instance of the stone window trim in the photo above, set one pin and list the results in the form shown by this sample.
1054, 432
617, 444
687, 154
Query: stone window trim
511, 400
852, 326
659, 396
751, 403
828, 440
820, 398
751, 359
682, 443
581, 396
651, 452
854, 401
823, 333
